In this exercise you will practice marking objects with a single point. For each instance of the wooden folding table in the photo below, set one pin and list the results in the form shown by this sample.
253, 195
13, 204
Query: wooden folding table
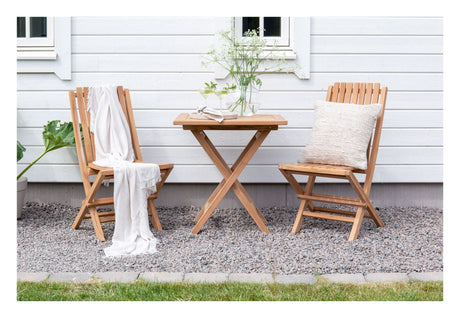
262, 124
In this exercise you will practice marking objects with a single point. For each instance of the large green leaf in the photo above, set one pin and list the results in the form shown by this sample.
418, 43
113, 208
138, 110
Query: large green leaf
20, 151
56, 135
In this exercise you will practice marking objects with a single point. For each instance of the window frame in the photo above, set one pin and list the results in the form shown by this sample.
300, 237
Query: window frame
39, 42
297, 52
280, 41
55, 59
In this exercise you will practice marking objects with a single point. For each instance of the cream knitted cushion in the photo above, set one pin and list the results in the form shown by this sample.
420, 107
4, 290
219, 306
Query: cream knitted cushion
341, 134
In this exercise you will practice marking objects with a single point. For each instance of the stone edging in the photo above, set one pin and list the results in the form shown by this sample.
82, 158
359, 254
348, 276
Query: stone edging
128, 277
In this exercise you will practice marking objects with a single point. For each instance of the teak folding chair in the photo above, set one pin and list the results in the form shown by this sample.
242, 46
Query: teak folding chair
86, 153
356, 93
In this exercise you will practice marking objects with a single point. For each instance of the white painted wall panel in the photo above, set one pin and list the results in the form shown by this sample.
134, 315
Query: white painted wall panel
296, 118
158, 59
376, 63
376, 26
137, 63
193, 81
152, 44
142, 25
192, 63
185, 100
382, 44
176, 137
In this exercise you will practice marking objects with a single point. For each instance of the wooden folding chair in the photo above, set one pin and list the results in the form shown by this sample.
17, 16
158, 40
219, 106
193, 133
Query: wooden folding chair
86, 153
357, 93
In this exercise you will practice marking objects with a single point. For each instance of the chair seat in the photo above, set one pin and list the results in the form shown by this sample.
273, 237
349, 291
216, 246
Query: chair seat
95, 169
320, 169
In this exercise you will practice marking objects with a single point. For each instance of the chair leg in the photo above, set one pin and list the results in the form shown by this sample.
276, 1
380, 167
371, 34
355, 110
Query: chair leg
356, 224
77, 222
151, 205
299, 218
365, 197
90, 194
303, 205
97, 224
164, 175
154, 217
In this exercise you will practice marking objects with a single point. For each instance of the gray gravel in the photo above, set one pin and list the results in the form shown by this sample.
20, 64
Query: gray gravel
230, 241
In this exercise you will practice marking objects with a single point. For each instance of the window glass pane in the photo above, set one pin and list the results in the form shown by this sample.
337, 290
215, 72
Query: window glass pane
38, 27
21, 27
250, 23
272, 26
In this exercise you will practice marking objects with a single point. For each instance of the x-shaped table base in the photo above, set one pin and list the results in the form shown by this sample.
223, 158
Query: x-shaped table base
230, 179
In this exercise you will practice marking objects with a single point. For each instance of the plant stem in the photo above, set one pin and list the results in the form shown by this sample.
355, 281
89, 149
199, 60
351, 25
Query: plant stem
244, 90
31, 164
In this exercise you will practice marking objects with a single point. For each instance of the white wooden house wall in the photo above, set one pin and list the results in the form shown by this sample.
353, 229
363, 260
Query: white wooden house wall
159, 60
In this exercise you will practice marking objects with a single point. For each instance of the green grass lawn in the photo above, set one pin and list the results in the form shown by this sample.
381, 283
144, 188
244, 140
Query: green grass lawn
145, 291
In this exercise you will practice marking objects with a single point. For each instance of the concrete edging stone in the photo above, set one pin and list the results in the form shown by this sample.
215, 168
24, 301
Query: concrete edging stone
177, 277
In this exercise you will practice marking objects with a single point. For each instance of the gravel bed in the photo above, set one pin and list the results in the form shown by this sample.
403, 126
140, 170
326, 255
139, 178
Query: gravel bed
230, 241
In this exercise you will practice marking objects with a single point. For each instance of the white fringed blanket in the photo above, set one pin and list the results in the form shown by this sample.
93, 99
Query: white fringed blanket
133, 182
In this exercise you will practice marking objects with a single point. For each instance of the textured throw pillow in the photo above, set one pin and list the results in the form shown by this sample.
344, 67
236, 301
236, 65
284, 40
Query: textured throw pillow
341, 134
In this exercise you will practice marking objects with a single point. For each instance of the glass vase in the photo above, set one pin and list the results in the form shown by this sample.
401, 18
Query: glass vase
245, 100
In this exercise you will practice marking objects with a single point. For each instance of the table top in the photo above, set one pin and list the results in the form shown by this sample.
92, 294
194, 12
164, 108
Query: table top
242, 122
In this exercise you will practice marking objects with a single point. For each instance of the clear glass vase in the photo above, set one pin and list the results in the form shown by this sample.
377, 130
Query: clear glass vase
244, 100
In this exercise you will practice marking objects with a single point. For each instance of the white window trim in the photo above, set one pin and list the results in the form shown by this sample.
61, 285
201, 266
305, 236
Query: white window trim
280, 41
36, 54
45, 58
298, 50
47, 41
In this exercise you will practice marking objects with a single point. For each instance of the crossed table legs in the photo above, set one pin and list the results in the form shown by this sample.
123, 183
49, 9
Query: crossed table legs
230, 179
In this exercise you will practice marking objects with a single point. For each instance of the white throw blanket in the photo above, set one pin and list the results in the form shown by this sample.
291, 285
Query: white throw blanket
133, 182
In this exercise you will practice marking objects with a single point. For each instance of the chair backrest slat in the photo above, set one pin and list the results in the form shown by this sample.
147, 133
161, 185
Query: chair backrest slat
341, 96
376, 93
81, 115
88, 118
132, 125
348, 93
354, 94
121, 98
362, 94
85, 125
335, 92
367, 99
78, 142
125, 102
329, 94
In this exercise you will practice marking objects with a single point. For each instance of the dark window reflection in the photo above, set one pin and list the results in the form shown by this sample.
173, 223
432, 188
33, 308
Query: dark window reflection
272, 26
250, 23
21, 27
37, 27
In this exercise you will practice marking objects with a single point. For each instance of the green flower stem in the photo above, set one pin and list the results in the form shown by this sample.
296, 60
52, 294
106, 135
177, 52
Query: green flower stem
31, 164
244, 90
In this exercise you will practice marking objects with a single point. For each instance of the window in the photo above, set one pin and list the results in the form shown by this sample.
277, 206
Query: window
44, 45
35, 38
35, 31
272, 29
291, 35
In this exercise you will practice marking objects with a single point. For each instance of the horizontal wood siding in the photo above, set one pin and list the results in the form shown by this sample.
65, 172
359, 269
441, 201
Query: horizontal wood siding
159, 60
